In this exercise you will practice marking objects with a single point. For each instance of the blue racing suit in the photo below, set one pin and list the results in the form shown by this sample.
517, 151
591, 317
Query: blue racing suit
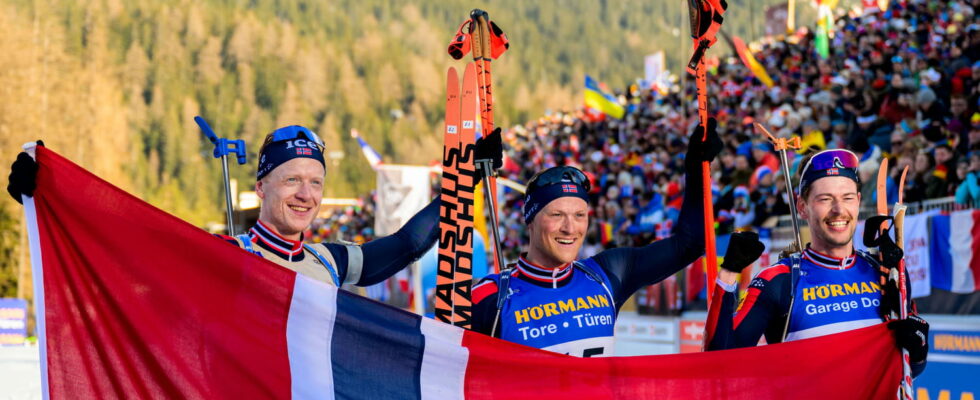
572, 309
827, 295
336, 263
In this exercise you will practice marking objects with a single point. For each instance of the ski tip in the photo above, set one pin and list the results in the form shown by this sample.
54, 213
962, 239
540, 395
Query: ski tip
882, 188
901, 184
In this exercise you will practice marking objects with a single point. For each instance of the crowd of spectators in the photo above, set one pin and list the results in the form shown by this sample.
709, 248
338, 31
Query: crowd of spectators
354, 223
902, 85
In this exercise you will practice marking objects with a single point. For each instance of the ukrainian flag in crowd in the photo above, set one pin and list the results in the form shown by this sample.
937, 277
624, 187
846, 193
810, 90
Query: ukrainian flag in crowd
596, 99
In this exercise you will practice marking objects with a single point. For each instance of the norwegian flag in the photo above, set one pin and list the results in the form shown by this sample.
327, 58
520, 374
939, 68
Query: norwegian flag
833, 171
227, 324
569, 188
304, 151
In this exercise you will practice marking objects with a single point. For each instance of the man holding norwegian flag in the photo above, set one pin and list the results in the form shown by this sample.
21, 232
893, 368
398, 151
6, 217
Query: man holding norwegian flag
289, 180
830, 288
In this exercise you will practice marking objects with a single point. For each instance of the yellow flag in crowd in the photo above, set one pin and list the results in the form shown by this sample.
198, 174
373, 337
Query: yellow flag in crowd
751, 63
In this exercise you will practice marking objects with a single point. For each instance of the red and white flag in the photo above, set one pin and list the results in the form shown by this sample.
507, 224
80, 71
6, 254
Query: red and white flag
136, 303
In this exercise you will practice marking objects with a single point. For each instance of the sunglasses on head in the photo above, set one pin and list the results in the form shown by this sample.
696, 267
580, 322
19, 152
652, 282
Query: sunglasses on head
828, 159
296, 132
556, 175
836, 162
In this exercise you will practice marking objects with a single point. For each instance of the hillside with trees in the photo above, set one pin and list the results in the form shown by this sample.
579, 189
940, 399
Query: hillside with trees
114, 84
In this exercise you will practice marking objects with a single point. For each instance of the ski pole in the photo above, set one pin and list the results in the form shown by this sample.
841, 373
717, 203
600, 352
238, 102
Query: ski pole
705, 22
781, 145
482, 56
222, 147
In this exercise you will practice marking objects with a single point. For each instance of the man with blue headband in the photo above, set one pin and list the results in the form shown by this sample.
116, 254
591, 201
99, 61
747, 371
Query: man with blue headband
289, 180
829, 288
550, 299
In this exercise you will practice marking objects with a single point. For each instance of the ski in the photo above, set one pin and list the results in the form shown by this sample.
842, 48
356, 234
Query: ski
900, 209
894, 274
455, 259
898, 277
466, 185
448, 197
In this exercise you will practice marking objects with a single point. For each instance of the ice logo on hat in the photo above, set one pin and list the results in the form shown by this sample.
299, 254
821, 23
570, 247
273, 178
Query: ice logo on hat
301, 143
530, 210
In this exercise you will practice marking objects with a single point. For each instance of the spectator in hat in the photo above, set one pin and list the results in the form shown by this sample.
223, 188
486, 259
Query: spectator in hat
968, 192
931, 116
764, 156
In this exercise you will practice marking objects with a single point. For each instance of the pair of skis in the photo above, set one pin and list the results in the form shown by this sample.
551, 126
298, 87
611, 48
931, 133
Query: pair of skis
895, 275
455, 259
468, 110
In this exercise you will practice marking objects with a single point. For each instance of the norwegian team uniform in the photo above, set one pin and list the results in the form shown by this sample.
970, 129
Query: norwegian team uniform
828, 295
336, 263
572, 309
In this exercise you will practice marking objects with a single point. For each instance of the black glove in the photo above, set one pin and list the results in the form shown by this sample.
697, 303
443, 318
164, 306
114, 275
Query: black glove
699, 149
743, 249
23, 176
490, 147
890, 256
912, 334
890, 253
